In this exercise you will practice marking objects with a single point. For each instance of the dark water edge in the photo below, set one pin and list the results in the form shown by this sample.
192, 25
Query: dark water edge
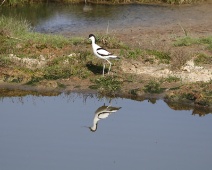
152, 98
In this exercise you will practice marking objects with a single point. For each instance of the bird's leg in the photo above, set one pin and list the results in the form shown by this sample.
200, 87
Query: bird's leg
103, 69
109, 66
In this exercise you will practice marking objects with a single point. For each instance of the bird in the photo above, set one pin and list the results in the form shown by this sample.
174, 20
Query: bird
101, 53
102, 113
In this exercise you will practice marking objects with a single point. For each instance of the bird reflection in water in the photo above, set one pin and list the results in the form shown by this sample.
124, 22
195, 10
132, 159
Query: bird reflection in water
102, 113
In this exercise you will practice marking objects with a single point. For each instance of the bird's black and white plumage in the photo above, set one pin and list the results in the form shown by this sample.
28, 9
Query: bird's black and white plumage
102, 113
101, 53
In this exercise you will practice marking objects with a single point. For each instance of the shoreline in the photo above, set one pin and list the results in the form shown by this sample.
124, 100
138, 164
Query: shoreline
25, 90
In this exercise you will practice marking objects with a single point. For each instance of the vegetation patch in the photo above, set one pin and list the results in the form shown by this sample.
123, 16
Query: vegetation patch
34, 80
179, 58
199, 93
109, 41
203, 59
172, 79
187, 41
163, 57
131, 53
153, 87
107, 84
4, 61
16, 35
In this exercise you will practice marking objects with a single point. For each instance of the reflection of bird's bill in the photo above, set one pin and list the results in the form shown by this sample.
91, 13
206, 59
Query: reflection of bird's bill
85, 126
92, 130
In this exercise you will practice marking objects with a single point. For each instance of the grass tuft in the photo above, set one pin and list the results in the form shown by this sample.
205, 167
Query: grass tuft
109, 41
131, 53
187, 41
107, 84
172, 79
203, 59
153, 87
163, 57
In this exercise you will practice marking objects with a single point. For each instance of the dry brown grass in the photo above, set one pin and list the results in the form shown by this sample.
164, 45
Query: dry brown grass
178, 58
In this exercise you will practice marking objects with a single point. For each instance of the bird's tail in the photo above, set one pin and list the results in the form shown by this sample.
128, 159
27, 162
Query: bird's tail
115, 57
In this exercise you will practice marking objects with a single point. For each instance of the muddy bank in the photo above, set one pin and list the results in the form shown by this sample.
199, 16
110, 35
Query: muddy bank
22, 90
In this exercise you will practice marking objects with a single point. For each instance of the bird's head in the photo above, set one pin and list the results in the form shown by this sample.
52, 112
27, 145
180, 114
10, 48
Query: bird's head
92, 129
92, 37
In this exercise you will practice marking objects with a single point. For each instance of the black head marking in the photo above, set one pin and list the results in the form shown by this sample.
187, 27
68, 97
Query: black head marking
91, 35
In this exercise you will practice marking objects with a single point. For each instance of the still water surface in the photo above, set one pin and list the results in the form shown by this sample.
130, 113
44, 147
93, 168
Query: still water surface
51, 133
76, 19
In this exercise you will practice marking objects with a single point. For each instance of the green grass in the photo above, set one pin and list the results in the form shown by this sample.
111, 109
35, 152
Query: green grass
18, 31
34, 80
187, 41
163, 57
131, 53
109, 41
17, 37
172, 79
13, 27
57, 72
203, 59
107, 84
4, 61
65, 67
153, 87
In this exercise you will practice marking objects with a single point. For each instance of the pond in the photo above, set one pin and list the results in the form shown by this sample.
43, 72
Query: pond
76, 19
43, 132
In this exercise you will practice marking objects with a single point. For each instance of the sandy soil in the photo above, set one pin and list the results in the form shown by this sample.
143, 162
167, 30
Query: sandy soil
163, 39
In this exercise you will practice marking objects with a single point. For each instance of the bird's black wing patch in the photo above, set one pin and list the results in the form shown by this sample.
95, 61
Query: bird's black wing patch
105, 52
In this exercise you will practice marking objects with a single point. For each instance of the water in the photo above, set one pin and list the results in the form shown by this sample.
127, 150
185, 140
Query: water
78, 19
51, 133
